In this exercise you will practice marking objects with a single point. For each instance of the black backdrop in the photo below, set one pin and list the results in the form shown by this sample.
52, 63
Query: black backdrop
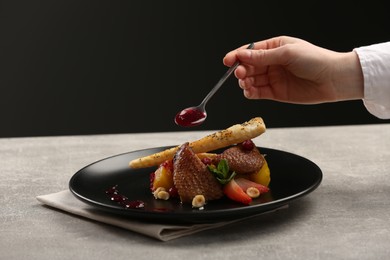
90, 67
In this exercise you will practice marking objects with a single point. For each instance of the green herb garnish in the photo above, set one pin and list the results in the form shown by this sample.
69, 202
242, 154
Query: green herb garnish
222, 172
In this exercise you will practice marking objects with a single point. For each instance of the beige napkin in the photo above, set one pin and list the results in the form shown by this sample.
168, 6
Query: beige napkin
64, 200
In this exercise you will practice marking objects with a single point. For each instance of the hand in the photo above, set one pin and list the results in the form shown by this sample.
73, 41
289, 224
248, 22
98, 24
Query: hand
292, 70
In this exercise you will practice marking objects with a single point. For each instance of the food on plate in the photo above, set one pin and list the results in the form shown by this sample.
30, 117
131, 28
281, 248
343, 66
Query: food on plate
192, 177
233, 135
199, 179
240, 172
243, 162
163, 176
263, 176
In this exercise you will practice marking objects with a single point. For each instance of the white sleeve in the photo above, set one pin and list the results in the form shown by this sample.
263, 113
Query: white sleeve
375, 62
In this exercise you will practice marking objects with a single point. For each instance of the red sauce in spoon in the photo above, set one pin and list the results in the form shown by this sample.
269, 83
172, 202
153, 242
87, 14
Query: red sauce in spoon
191, 116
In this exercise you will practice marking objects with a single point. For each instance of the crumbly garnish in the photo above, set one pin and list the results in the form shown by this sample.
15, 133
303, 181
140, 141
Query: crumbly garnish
253, 192
161, 193
198, 201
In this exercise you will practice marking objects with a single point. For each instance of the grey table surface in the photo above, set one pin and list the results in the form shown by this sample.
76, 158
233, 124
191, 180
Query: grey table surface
346, 217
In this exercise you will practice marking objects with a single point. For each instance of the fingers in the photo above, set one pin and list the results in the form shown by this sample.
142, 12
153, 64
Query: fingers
251, 92
264, 92
262, 58
254, 62
230, 58
266, 52
246, 70
253, 82
248, 65
261, 91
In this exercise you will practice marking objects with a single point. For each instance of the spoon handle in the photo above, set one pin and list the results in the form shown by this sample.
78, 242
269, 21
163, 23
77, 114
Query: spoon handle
223, 79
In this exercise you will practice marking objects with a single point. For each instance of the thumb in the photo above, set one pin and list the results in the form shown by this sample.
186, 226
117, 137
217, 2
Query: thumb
261, 57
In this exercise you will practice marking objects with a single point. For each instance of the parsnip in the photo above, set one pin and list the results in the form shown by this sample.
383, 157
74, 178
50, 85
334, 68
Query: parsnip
232, 135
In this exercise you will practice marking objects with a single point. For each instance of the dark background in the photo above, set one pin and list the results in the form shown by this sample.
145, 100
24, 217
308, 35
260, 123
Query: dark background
90, 67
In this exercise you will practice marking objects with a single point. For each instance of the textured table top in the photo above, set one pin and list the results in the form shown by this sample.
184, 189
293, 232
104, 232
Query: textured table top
346, 217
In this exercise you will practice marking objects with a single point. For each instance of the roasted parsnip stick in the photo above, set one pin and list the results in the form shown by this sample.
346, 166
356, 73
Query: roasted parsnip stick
232, 135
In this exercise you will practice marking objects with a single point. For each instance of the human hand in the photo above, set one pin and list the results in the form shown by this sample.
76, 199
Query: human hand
292, 70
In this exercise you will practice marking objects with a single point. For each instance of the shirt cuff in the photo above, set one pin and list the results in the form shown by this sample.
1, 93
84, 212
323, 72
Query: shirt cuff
375, 63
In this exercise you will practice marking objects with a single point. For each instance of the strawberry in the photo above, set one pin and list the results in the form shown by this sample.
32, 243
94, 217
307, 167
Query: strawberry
234, 192
245, 184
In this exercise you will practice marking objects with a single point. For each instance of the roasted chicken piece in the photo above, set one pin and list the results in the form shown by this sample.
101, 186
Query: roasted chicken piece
191, 177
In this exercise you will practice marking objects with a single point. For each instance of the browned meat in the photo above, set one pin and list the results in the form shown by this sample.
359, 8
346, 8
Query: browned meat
191, 177
240, 160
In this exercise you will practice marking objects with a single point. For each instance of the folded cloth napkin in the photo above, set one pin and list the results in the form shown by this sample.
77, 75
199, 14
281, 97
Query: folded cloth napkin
64, 200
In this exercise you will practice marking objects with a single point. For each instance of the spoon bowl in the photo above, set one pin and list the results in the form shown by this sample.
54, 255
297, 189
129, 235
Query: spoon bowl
194, 116
191, 116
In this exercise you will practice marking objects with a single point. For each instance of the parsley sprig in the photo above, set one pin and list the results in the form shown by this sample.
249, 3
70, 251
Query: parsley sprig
222, 172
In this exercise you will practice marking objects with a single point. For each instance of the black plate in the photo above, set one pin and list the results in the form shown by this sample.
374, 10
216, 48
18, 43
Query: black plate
292, 176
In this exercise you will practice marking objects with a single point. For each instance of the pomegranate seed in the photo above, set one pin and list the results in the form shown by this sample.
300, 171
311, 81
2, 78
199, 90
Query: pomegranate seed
173, 192
248, 145
206, 161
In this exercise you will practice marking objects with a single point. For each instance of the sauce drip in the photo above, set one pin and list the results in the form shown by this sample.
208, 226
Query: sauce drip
189, 117
122, 200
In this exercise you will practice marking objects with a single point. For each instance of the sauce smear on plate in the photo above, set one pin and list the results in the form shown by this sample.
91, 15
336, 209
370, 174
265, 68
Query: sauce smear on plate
122, 200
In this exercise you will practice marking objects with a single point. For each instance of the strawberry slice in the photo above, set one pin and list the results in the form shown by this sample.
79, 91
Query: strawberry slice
234, 192
245, 184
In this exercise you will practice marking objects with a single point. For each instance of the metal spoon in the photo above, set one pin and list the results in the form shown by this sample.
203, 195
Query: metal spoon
193, 116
